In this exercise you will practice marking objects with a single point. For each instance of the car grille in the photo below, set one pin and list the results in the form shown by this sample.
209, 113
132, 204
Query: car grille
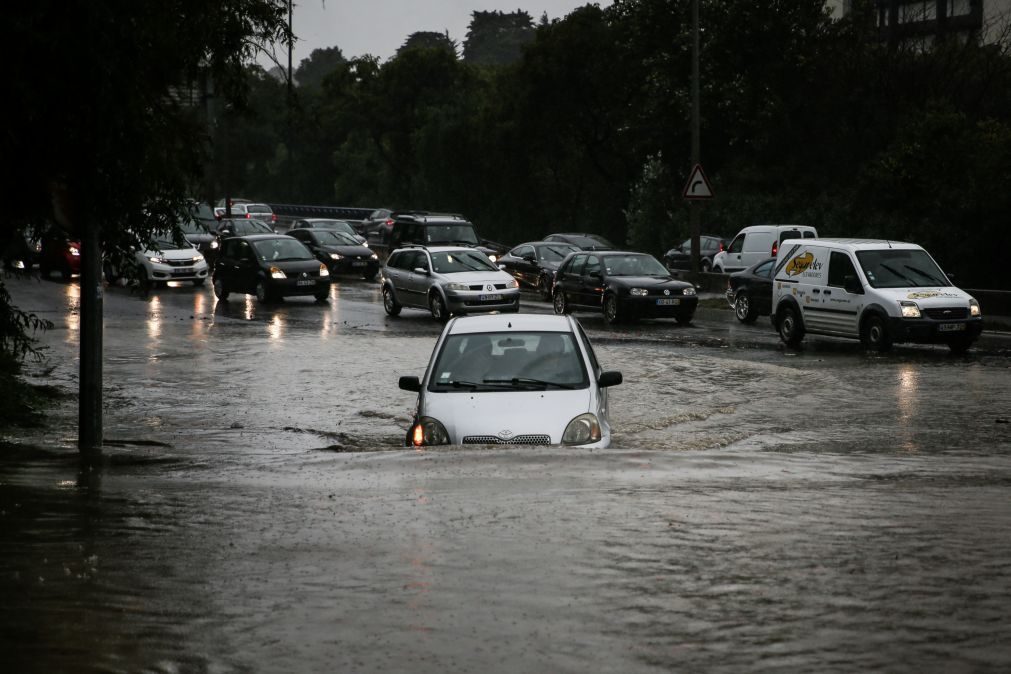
515, 440
480, 286
180, 263
947, 313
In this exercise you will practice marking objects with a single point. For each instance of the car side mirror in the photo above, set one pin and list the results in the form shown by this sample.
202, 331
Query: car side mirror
852, 285
609, 378
594, 274
420, 270
410, 384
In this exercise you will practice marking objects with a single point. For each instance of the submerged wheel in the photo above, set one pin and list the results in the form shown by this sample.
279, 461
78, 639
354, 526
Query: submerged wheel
544, 288
959, 345
322, 296
875, 334
742, 308
219, 290
611, 314
684, 319
390, 302
438, 308
791, 330
199, 281
559, 302
262, 294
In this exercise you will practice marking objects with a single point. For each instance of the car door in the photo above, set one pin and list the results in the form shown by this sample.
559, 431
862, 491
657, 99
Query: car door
246, 268
525, 262
840, 306
417, 280
761, 288
567, 279
225, 268
732, 260
591, 282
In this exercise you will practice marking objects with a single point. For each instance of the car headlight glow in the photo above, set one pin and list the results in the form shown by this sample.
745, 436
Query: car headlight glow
214, 244
909, 309
74, 250
513, 283
337, 256
374, 256
429, 431
457, 286
638, 292
275, 272
156, 259
323, 271
974, 309
688, 291
493, 258
582, 430
197, 259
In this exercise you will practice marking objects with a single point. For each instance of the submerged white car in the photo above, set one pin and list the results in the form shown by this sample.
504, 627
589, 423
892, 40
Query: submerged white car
514, 379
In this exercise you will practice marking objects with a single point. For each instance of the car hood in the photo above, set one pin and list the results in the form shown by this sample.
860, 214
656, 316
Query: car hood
648, 282
174, 254
927, 298
200, 238
506, 414
475, 277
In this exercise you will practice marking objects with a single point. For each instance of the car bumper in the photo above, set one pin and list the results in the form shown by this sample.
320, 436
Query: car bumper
927, 331
474, 302
164, 272
647, 307
348, 267
290, 287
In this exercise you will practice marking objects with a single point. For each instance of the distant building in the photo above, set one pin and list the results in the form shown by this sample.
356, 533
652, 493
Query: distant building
923, 22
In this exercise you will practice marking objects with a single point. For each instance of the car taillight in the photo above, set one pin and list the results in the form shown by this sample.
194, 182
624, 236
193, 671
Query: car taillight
273, 217
721, 247
775, 248
248, 216
389, 222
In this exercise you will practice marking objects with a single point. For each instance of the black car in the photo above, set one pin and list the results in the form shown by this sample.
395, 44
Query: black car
534, 264
329, 223
624, 285
681, 256
269, 266
341, 252
439, 229
377, 226
582, 240
750, 291
202, 239
241, 227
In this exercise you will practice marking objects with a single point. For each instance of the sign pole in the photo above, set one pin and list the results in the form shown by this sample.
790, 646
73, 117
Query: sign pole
695, 214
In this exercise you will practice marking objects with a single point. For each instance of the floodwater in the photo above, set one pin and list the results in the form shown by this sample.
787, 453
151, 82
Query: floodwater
759, 510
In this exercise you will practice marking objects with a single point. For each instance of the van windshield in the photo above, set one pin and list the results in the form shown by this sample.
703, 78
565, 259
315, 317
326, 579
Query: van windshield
901, 268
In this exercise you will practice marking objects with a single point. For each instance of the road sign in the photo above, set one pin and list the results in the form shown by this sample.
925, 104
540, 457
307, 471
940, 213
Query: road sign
698, 186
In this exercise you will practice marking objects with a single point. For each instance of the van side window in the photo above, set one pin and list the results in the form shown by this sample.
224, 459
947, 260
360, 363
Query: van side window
808, 234
737, 245
839, 267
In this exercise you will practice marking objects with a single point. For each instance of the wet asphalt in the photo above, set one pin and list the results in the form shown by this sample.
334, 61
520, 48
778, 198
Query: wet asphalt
761, 509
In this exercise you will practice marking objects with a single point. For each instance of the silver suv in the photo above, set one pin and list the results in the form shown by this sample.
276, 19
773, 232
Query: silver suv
446, 280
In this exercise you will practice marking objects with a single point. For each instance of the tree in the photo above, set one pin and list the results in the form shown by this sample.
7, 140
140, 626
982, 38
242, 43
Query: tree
321, 62
497, 38
428, 40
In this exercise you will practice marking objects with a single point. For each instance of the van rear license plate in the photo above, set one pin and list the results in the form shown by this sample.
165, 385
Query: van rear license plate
305, 282
951, 327
491, 298
668, 301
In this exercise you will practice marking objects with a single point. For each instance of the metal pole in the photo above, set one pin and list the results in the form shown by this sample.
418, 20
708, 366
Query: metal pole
694, 207
90, 434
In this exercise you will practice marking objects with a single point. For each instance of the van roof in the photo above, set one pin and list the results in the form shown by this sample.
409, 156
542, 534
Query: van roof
853, 244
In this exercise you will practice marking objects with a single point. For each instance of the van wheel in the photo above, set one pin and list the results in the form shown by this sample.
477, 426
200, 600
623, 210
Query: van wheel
791, 330
959, 345
438, 308
390, 302
875, 334
742, 308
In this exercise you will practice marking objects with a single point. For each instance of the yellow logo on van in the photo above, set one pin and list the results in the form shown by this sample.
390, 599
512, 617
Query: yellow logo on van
799, 264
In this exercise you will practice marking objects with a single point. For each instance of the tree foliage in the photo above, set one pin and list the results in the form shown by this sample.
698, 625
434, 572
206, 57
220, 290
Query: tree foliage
320, 63
497, 38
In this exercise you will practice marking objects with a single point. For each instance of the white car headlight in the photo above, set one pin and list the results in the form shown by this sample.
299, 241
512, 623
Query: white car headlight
374, 256
336, 256
493, 258
909, 309
323, 271
974, 309
638, 292
429, 431
275, 272
513, 283
156, 259
214, 244
688, 291
457, 286
75, 251
582, 430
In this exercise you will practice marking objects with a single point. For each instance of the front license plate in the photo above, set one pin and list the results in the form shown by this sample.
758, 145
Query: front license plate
490, 298
358, 263
668, 301
305, 282
951, 327
186, 271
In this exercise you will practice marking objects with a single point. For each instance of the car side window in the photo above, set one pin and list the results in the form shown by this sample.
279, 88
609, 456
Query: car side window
244, 252
523, 250
839, 267
737, 246
592, 265
810, 235
764, 269
576, 268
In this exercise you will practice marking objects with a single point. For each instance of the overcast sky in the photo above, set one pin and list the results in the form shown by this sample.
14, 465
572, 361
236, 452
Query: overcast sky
379, 27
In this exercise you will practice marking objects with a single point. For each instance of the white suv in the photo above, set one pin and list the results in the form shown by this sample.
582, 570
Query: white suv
528, 379
877, 291
446, 280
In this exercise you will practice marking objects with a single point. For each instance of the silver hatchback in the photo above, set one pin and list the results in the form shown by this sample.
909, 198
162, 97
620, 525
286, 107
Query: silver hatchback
446, 280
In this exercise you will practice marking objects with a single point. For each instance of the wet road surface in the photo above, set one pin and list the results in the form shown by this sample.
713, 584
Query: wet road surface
760, 510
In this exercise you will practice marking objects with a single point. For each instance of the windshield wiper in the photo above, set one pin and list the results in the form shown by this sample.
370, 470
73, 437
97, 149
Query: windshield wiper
527, 381
897, 273
925, 275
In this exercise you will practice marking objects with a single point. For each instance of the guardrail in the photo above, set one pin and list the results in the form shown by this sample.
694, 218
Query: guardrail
294, 211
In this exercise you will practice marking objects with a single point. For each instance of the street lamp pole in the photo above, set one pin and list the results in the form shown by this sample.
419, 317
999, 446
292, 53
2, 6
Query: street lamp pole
695, 214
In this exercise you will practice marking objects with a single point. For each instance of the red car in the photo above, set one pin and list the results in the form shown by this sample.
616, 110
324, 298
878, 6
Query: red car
59, 253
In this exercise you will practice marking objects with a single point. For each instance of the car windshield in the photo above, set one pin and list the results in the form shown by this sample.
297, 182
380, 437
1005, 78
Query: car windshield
252, 227
634, 265
329, 237
901, 268
507, 361
338, 225
258, 208
162, 243
279, 250
556, 252
451, 234
461, 260
191, 227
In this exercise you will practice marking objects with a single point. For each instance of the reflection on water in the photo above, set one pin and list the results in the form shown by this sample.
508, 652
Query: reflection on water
275, 328
907, 395
154, 319
72, 291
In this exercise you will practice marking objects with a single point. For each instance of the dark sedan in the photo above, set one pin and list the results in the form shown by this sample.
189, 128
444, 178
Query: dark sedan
750, 291
582, 240
328, 223
624, 286
534, 264
339, 251
681, 256
202, 239
241, 227
269, 266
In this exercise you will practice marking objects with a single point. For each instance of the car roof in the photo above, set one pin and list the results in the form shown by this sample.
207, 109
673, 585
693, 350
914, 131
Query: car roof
262, 237
506, 322
439, 249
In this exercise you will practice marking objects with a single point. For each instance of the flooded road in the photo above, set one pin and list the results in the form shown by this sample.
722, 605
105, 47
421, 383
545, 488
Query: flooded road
760, 509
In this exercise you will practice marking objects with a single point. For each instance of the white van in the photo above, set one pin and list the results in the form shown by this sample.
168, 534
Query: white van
754, 244
877, 291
